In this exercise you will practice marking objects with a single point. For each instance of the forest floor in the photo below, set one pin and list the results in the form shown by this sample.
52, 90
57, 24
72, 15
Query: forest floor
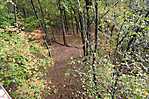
65, 84
62, 82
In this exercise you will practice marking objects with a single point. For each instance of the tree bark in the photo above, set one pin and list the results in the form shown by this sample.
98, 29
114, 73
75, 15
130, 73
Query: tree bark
77, 25
44, 29
82, 27
62, 13
15, 13
41, 24
72, 24
95, 48
88, 34
76, 21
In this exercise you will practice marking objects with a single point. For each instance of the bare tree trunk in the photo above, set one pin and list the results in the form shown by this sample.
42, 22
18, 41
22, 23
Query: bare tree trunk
76, 21
41, 24
77, 25
82, 28
44, 29
96, 25
33, 7
54, 39
88, 34
95, 48
15, 13
62, 13
24, 12
65, 21
72, 24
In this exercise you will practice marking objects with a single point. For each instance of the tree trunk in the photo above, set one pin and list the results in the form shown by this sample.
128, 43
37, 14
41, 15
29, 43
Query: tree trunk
77, 25
95, 49
63, 25
76, 22
33, 7
54, 39
72, 24
88, 34
15, 13
24, 12
82, 28
65, 21
44, 29
41, 24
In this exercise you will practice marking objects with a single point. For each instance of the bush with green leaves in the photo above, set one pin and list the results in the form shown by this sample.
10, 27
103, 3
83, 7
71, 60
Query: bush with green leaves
23, 66
5, 18
126, 80
30, 23
122, 60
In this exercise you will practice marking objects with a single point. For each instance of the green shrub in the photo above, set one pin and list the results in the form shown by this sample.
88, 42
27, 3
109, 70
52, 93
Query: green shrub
5, 18
30, 23
23, 66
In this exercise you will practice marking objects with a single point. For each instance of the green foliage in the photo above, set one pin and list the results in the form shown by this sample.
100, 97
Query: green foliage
5, 18
122, 63
31, 23
115, 79
122, 58
23, 66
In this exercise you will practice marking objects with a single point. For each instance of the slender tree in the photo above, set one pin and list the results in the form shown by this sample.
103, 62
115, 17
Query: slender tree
88, 35
42, 24
82, 27
95, 47
62, 14
15, 12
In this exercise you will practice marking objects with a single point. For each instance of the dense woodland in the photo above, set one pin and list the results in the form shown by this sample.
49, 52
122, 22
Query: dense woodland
75, 49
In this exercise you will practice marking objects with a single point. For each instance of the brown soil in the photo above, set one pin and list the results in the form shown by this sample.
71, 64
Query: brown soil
62, 82
66, 87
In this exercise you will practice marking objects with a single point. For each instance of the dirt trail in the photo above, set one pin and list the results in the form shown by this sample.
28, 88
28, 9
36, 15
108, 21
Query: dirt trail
62, 83
65, 86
